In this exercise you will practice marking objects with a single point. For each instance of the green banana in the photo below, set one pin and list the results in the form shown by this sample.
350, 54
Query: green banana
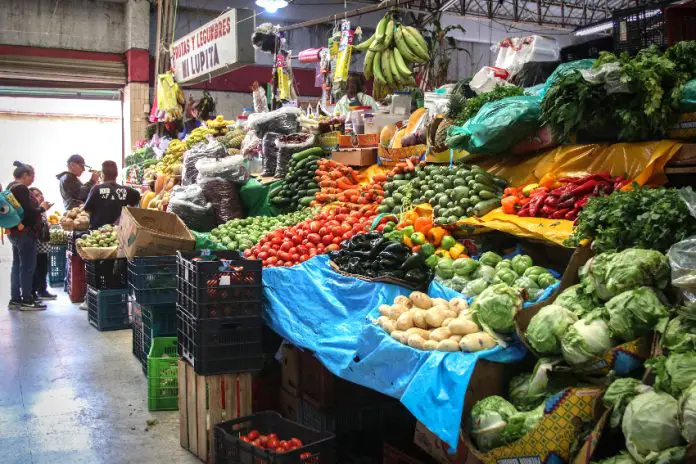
389, 34
394, 70
416, 42
403, 48
377, 68
386, 68
365, 44
367, 66
381, 29
404, 70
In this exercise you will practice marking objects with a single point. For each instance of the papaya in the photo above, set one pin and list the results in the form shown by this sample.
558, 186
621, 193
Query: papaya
396, 142
387, 134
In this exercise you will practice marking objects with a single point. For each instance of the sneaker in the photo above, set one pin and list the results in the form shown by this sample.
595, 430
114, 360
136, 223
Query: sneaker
47, 296
14, 304
31, 305
83, 306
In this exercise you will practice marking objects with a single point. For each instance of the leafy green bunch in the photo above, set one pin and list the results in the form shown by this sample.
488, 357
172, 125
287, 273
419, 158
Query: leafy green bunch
467, 108
642, 217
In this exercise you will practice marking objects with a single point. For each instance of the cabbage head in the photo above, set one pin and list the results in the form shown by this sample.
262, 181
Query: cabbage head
547, 327
520, 263
680, 335
621, 458
635, 267
650, 425
474, 287
577, 300
529, 390
490, 259
532, 289
464, 266
586, 339
619, 394
457, 283
484, 271
593, 275
673, 373
687, 413
521, 423
444, 268
634, 313
494, 309
488, 420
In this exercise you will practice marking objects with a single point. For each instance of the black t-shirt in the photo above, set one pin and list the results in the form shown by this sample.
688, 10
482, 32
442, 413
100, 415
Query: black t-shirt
105, 201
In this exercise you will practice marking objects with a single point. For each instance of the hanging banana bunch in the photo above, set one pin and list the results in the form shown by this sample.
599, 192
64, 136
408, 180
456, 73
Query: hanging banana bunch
391, 52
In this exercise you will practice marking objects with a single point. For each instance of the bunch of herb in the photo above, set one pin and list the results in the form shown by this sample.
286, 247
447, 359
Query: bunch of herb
472, 105
641, 217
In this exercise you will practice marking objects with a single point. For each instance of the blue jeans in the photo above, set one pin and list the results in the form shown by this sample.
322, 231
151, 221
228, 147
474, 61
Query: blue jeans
23, 265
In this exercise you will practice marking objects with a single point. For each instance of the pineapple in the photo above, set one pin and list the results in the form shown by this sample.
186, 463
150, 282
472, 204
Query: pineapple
441, 134
456, 105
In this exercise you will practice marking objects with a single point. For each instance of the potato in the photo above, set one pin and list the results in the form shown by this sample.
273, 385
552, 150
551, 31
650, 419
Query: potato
399, 336
405, 321
447, 345
476, 342
403, 300
465, 315
416, 341
389, 326
447, 321
434, 317
419, 318
456, 338
384, 310
396, 311
449, 314
418, 331
421, 300
430, 345
463, 327
440, 334
458, 305
381, 320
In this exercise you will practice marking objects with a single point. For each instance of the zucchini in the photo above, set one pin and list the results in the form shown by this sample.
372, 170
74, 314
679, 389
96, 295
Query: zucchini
485, 179
305, 201
487, 195
312, 185
486, 206
480, 187
316, 151
280, 201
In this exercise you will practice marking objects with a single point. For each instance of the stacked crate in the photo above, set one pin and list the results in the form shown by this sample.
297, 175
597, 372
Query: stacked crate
57, 257
107, 294
75, 278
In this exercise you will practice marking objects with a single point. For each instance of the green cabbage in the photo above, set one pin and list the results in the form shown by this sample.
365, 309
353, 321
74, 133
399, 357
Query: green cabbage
680, 335
585, 340
529, 390
444, 268
650, 425
547, 327
527, 283
457, 283
634, 313
518, 425
673, 373
520, 263
687, 413
464, 266
494, 309
488, 420
484, 271
474, 287
621, 458
505, 276
575, 299
490, 259
619, 394
593, 275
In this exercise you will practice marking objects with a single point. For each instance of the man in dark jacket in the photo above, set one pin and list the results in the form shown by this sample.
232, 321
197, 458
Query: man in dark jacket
73, 191
106, 200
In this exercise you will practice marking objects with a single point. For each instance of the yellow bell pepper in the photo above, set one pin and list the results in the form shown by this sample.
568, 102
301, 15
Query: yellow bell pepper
435, 235
442, 253
456, 251
527, 190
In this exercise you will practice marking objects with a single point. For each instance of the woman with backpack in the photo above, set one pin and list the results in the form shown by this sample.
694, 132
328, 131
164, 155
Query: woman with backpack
23, 238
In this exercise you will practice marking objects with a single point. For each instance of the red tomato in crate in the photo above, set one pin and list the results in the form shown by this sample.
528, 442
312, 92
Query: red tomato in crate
272, 443
296, 442
306, 455
327, 239
263, 441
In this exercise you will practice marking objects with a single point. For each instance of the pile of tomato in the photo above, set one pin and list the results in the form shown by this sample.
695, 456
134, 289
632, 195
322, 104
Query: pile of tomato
271, 443
322, 233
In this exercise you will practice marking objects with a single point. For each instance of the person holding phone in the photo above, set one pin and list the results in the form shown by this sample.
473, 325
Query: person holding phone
23, 238
73, 191
43, 246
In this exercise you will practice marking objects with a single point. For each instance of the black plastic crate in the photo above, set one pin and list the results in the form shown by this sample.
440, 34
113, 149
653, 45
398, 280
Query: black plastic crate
137, 328
155, 295
222, 345
153, 272
225, 308
370, 419
72, 238
107, 273
230, 449
57, 262
108, 309
640, 27
159, 320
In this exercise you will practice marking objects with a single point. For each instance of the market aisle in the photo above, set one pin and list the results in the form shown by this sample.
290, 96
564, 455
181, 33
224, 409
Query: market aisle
71, 394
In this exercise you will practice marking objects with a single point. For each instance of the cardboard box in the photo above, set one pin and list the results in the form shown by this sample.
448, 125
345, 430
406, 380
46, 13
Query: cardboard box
146, 232
439, 450
684, 128
358, 141
356, 156
289, 405
290, 369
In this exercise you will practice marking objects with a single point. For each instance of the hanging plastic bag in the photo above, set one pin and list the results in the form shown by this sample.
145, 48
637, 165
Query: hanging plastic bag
170, 98
232, 168
212, 149
488, 78
345, 47
682, 256
281, 121
287, 146
687, 101
269, 154
190, 205
259, 96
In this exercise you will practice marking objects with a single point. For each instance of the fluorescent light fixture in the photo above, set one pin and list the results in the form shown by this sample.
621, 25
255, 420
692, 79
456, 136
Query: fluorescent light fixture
271, 6
594, 29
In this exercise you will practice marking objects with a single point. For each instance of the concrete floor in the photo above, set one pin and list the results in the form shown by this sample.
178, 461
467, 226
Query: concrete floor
71, 394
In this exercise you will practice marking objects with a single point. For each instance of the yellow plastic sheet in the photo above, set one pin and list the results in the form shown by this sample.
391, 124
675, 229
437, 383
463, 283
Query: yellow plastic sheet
642, 162
444, 156
372, 171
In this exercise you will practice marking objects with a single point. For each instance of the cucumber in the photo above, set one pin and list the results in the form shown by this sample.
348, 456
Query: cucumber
275, 191
480, 187
280, 201
484, 179
305, 201
312, 185
312, 192
500, 182
316, 151
487, 195
486, 206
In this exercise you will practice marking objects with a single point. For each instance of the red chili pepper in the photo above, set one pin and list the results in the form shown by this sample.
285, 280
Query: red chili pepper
560, 214
560, 191
603, 176
584, 188
572, 214
572, 180
524, 212
551, 200
547, 210
581, 202
568, 203
535, 204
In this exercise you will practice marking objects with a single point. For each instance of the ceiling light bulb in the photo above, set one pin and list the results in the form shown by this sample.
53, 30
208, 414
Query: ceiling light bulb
271, 6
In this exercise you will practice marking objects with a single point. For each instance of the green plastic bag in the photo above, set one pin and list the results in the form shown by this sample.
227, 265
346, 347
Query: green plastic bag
562, 69
203, 241
687, 101
254, 195
498, 126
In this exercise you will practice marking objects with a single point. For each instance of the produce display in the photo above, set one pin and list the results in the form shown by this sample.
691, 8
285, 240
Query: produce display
373, 255
75, 219
338, 182
219, 125
391, 51
58, 236
472, 276
104, 237
300, 186
315, 236
240, 234
559, 198
271, 443
455, 193
429, 324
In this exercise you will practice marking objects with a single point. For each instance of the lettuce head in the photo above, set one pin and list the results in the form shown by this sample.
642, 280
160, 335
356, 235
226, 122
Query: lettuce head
680, 335
518, 425
586, 339
577, 300
488, 420
634, 313
547, 327
495, 307
619, 394
650, 425
673, 373
687, 413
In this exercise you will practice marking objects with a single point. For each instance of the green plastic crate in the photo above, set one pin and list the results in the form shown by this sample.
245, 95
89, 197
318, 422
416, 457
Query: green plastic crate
163, 375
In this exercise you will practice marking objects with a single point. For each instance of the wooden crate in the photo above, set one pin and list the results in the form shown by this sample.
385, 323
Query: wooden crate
207, 400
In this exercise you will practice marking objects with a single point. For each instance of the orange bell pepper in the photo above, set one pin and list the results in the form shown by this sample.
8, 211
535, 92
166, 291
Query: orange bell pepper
423, 224
435, 235
547, 180
410, 218
406, 240
509, 204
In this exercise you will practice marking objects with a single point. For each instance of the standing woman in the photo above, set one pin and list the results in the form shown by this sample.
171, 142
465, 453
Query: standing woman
43, 246
23, 239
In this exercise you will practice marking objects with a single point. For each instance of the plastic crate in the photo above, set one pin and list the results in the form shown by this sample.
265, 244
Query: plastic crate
75, 282
230, 449
152, 272
638, 28
107, 273
108, 309
217, 309
159, 320
137, 327
231, 280
220, 346
57, 262
373, 419
163, 375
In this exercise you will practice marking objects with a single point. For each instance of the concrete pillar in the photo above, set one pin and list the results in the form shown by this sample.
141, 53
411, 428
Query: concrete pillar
136, 93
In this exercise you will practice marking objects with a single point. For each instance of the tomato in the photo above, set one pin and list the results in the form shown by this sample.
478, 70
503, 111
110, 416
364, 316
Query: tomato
272, 443
263, 441
276, 240
340, 217
304, 258
273, 436
337, 240
262, 255
247, 253
295, 257
320, 248
283, 443
296, 442
292, 250
380, 228
256, 443
286, 246
280, 263
314, 238
285, 256
253, 435
333, 247
302, 249
306, 455
323, 231
314, 226
327, 239
245, 439
312, 252
348, 235
289, 264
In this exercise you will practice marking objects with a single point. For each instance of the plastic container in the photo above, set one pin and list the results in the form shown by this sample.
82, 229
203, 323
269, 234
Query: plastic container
230, 449
373, 419
162, 375
107, 273
76, 281
152, 279
137, 327
222, 345
159, 320
56, 264
108, 309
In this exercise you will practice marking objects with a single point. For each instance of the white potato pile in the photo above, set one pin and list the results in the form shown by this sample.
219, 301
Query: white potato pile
430, 324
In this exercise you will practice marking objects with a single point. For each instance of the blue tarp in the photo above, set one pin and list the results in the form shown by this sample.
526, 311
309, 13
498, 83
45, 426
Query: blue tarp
316, 308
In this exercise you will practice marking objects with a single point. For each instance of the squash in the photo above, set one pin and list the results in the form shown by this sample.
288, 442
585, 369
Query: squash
160, 182
146, 199
387, 134
396, 142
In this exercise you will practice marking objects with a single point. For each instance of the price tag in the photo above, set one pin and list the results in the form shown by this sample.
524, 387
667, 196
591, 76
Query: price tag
205, 252
225, 280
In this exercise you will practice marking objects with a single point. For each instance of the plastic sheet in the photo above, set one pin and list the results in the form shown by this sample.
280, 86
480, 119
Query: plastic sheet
254, 196
224, 197
198, 218
563, 69
282, 121
687, 101
333, 319
682, 256
269, 154
212, 149
232, 168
